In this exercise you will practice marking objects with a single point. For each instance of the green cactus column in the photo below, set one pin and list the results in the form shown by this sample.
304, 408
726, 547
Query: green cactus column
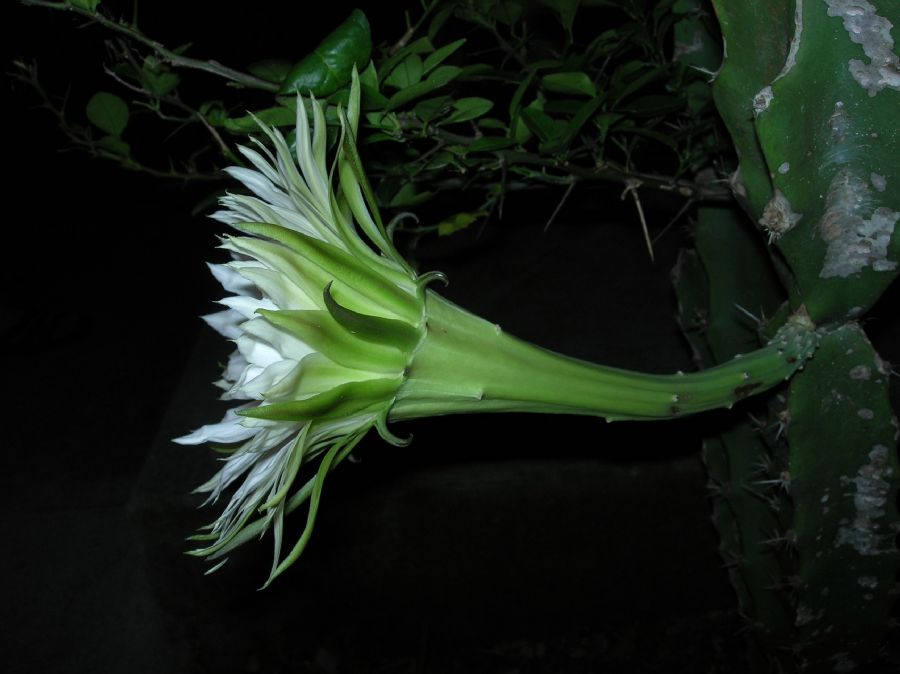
810, 92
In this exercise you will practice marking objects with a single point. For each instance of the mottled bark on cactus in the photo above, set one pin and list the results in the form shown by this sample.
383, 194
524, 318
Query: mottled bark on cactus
844, 483
810, 92
756, 38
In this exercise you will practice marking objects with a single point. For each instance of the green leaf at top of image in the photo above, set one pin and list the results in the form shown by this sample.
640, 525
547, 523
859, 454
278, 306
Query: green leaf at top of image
469, 108
89, 5
107, 112
458, 221
569, 83
271, 70
329, 66
408, 72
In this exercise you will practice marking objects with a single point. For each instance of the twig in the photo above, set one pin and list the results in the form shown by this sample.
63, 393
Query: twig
631, 187
167, 55
562, 202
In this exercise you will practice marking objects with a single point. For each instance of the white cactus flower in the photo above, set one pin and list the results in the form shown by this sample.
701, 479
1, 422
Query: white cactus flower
323, 324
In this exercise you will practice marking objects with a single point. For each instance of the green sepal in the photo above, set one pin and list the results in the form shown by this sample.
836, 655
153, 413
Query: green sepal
375, 329
325, 335
333, 457
341, 401
342, 267
381, 422
328, 67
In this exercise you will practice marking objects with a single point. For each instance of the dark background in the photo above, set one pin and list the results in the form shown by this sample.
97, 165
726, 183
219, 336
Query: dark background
514, 544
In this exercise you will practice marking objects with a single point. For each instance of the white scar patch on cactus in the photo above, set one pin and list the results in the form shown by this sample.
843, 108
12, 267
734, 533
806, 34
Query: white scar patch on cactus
778, 217
855, 242
762, 100
791, 60
873, 33
878, 182
870, 499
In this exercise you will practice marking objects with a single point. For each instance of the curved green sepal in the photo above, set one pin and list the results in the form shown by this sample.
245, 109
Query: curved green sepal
321, 332
359, 278
329, 66
387, 331
381, 426
341, 401
333, 457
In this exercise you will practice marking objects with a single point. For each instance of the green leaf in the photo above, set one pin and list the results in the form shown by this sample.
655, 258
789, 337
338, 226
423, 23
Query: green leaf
408, 72
280, 116
431, 108
544, 127
508, 12
329, 66
491, 143
89, 5
372, 98
408, 196
492, 123
271, 70
157, 77
439, 55
441, 76
108, 113
520, 91
566, 10
469, 108
569, 83
420, 46
115, 145
458, 222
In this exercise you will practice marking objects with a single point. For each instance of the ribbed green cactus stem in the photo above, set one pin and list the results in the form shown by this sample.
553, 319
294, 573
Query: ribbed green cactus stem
466, 364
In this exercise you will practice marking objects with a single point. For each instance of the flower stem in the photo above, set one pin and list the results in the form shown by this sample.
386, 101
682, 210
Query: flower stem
465, 364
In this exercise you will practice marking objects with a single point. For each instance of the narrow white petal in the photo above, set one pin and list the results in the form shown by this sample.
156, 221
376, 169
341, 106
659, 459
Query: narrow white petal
225, 323
256, 352
271, 376
247, 306
230, 279
259, 185
286, 343
229, 430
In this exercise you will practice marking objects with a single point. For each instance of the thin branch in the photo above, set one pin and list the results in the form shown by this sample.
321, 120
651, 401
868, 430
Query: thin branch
167, 55
631, 187
561, 203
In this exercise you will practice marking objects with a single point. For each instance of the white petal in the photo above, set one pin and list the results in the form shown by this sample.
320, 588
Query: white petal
260, 185
271, 376
225, 323
286, 343
229, 430
282, 291
230, 279
247, 306
256, 352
